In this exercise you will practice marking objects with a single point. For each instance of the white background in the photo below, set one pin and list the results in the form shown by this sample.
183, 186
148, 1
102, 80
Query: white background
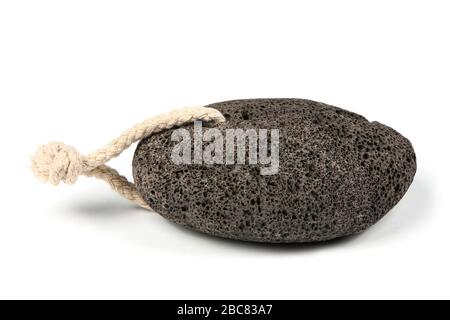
83, 71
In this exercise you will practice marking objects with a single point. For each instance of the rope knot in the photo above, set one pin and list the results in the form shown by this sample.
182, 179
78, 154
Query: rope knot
56, 162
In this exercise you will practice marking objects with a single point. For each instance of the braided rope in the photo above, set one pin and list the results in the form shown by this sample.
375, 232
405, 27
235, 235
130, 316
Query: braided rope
56, 161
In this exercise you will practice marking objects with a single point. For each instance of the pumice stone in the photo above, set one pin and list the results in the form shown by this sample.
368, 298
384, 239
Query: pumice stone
264, 170
277, 170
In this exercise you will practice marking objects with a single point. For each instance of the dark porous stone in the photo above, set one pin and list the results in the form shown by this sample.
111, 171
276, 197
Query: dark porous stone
339, 174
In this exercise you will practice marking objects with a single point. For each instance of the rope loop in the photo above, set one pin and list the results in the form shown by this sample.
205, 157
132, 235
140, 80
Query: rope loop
56, 161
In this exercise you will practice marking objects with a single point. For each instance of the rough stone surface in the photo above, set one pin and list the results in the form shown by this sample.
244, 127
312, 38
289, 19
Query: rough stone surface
339, 174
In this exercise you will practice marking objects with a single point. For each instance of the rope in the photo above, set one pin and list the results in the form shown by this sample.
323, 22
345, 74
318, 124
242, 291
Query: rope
56, 161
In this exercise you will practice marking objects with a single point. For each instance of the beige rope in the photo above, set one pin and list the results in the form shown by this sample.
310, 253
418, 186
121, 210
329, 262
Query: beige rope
56, 161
